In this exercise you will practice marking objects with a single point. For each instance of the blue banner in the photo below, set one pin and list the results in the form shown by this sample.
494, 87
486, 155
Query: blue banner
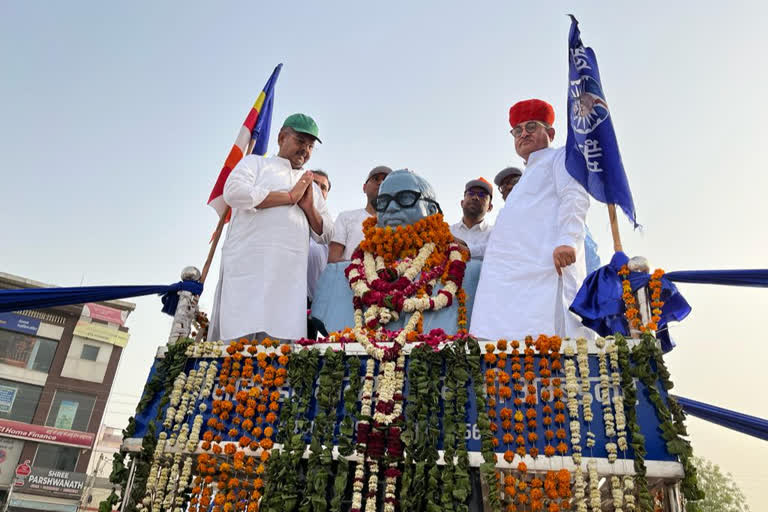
591, 151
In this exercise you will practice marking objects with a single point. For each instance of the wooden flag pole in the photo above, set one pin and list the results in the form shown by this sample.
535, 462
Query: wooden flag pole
220, 229
214, 244
614, 228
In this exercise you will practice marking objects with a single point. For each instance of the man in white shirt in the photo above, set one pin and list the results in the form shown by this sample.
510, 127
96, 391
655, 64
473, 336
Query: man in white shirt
348, 228
473, 229
534, 261
276, 207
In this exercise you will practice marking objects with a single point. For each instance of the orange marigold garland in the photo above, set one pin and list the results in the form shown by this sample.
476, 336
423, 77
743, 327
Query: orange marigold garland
531, 397
631, 313
244, 419
405, 241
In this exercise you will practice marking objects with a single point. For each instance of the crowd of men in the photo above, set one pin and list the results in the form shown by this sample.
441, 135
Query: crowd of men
533, 258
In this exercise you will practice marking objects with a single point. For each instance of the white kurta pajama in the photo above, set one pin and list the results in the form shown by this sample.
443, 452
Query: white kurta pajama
517, 291
263, 278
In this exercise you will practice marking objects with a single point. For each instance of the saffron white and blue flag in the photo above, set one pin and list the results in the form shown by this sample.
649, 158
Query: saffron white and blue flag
592, 153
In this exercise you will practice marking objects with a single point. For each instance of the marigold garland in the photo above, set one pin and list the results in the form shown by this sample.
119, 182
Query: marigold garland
631, 313
242, 426
404, 241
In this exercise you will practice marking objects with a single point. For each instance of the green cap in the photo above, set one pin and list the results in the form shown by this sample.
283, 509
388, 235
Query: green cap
302, 123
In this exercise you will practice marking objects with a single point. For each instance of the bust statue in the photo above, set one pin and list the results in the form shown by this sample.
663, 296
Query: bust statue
408, 213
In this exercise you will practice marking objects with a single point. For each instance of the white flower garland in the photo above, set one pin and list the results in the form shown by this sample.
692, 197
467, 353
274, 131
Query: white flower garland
618, 398
579, 490
629, 493
154, 470
373, 485
605, 400
594, 491
617, 494
572, 389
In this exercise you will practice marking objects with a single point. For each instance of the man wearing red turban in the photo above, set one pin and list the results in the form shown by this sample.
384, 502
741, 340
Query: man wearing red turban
534, 261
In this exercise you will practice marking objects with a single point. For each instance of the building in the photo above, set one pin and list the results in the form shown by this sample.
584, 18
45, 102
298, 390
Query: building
57, 366
97, 484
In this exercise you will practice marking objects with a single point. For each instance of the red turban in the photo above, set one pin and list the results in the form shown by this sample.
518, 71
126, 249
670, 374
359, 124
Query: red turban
531, 110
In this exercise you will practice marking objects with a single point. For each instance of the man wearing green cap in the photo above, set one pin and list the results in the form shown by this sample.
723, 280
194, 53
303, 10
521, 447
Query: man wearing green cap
276, 208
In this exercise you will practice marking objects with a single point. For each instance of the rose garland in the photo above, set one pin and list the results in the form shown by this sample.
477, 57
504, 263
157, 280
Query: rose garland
388, 292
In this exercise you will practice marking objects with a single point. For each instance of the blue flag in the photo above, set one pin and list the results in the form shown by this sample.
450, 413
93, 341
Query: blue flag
591, 151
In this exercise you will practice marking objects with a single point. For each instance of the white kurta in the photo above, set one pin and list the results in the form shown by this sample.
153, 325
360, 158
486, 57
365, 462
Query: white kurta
476, 237
517, 294
262, 284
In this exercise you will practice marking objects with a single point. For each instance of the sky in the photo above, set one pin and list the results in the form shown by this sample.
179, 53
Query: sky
115, 120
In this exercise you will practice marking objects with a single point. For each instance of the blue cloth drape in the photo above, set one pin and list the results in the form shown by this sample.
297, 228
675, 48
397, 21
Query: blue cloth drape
601, 308
744, 423
755, 277
38, 298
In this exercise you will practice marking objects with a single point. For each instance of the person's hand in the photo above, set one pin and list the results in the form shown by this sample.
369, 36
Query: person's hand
463, 246
307, 202
563, 255
301, 186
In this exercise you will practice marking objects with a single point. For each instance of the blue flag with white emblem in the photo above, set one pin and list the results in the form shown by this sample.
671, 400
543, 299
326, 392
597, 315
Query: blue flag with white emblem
591, 151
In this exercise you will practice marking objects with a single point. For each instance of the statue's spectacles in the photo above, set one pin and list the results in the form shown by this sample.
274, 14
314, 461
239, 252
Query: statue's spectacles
404, 198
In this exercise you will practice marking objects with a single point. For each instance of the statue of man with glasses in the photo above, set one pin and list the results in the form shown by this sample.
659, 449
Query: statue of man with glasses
404, 198
534, 263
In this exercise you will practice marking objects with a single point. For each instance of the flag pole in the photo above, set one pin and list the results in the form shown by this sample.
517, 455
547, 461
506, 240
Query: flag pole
614, 228
219, 229
214, 243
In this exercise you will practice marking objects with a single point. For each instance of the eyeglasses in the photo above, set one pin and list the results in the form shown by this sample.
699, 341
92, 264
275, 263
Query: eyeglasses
530, 127
404, 198
306, 142
478, 193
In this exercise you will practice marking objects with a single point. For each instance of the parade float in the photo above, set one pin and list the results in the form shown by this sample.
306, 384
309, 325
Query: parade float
388, 415
400, 408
